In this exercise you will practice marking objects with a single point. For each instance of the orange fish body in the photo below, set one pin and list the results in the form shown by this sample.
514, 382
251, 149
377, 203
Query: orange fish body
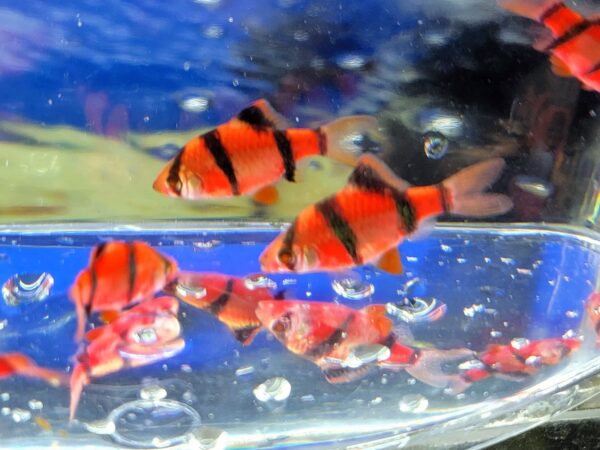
144, 334
119, 274
518, 361
373, 213
575, 43
250, 152
12, 364
227, 298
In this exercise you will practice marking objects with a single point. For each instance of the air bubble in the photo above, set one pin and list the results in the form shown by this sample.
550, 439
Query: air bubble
259, 281
533, 361
417, 310
153, 393
274, 389
519, 343
183, 290
307, 398
523, 271
207, 438
5, 411
27, 288
376, 401
351, 61
213, 31
193, 103
5, 396
508, 261
20, 415
242, 371
3, 324
413, 403
572, 314
495, 333
435, 145
35, 404
365, 354
472, 364
353, 288
446, 248
471, 311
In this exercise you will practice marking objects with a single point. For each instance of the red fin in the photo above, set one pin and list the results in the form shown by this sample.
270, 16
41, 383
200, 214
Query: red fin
466, 187
528, 8
79, 378
559, 68
428, 368
268, 119
109, 316
391, 262
377, 314
267, 195
94, 333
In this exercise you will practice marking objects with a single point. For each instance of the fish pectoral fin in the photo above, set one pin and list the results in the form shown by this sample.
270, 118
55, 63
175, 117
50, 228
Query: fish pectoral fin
246, 335
559, 68
260, 114
391, 262
267, 195
339, 374
109, 316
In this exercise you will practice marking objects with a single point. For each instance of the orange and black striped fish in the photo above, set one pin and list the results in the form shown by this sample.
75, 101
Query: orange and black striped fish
227, 298
252, 151
330, 335
574, 44
366, 220
13, 364
119, 274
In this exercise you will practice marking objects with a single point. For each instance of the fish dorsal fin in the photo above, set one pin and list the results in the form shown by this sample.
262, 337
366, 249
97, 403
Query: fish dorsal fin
98, 250
372, 174
261, 114
378, 317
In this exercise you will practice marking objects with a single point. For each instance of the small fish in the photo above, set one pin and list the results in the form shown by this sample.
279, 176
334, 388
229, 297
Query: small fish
330, 335
252, 151
592, 308
574, 45
119, 274
517, 361
13, 364
227, 298
366, 220
144, 334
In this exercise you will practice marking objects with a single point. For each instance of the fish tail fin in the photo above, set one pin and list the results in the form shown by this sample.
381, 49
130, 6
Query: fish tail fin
339, 136
466, 187
533, 9
23, 365
79, 378
428, 369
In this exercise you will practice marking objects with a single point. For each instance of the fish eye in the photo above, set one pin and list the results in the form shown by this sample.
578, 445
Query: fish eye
282, 324
287, 258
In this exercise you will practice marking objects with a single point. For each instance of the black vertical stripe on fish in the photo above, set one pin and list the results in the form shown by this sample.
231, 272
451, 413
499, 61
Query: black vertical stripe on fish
243, 335
255, 117
551, 10
322, 138
571, 33
597, 327
340, 227
285, 151
132, 266
94, 285
166, 265
99, 249
517, 356
222, 159
286, 252
594, 68
444, 197
389, 341
173, 178
337, 336
406, 212
364, 177
216, 306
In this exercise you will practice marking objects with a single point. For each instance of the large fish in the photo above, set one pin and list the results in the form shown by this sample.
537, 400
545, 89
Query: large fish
366, 220
252, 151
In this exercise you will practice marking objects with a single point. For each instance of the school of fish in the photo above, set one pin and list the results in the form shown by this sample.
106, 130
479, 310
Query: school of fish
137, 290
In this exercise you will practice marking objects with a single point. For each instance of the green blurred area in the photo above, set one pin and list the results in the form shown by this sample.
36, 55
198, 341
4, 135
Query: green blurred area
61, 174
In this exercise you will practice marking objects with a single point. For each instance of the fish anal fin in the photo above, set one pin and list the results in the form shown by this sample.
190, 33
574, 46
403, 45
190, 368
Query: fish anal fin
391, 262
559, 68
260, 115
267, 195
246, 335
378, 317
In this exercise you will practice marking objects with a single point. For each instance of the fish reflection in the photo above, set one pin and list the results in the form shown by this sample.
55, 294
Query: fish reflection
573, 41
592, 308
252, 151
519, 359
147, 333
18, 364
347, 344
366, 220
227, 298
119, 274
